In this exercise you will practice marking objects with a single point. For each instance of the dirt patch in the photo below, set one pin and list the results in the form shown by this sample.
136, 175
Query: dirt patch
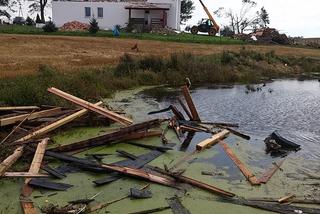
22, 54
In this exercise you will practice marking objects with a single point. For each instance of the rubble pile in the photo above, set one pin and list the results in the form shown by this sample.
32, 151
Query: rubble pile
75, 26
162, 30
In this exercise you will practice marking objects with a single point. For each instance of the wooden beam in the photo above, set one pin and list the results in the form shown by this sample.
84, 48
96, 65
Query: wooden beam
27, 206
245, 171
192, 107
266, 176
24, 175
85, 104
54, 125
45, 113
186, 110
9, 161
286, 198
129, 132
212, 140
14, 108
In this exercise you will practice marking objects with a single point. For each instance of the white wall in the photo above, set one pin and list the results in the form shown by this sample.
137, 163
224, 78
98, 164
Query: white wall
114, 13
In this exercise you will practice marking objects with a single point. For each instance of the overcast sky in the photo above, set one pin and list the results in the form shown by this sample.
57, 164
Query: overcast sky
293, 17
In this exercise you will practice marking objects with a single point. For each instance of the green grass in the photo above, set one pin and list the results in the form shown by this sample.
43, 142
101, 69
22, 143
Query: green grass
227, 68
183, 37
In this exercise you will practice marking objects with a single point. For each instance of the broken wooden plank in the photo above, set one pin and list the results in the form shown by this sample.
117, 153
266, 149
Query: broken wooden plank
24, 175
10, 160
53, 172
267, 175
194, 182
13, 108
123, 133
286, 198
245, 171
54, 125
295, 200
34, 115
43, 183
154, 210
212, 140
87, 105
27, 206
137, 162
176, 206
184, 107
159, 148
140, 194
192, 107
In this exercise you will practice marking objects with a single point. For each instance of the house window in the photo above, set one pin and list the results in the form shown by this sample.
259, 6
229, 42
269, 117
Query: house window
100, 12
87, 12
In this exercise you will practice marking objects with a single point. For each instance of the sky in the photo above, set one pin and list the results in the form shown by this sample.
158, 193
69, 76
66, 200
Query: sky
293, 17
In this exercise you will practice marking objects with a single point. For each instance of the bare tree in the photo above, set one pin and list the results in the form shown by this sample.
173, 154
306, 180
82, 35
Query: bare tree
6, 6
39, 6
244, 18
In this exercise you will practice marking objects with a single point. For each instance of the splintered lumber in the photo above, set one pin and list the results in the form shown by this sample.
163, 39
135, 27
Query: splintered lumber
176, 206
46, 113
266, 176
194, 182
54, 125
24, 175
27, 206
123, 133
159, 148
38, 157
15, 108
49, 184
280, 208
294, 200
184, 107
159, 179
212, 140
286, 198
245, 171
155, 210
87, 105
192, 107
7, 163
53, 172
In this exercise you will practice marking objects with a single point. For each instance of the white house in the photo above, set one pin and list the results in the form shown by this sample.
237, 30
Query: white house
144, 13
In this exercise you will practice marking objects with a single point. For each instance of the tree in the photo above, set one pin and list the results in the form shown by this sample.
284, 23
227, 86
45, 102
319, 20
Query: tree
5, 7
187, 7
94, 27
264, 17
39, 6
241, 20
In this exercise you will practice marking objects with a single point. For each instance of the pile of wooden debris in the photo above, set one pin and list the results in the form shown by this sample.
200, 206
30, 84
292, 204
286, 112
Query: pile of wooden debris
75, 26
30, 136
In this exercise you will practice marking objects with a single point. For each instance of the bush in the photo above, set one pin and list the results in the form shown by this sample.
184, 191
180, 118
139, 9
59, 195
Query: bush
94, 27
30, 21
50, 27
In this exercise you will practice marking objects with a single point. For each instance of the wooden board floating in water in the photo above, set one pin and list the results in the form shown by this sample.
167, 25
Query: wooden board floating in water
212, 140
49, 184
192, 107
267, 175
245, 171
87, 105
176, 206
24, 175
53, 172
123, 133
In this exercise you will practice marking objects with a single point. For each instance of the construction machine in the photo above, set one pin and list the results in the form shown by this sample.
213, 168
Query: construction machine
207, 25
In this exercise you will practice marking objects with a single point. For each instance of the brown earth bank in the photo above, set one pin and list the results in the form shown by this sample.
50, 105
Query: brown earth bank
22, 54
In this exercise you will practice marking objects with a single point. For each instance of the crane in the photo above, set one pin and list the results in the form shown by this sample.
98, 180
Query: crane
209, 25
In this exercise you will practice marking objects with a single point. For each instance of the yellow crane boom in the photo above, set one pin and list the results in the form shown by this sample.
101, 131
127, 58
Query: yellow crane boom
210, 16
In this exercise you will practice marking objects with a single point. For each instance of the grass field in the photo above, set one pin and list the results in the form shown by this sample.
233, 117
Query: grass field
23, 54
183, 37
